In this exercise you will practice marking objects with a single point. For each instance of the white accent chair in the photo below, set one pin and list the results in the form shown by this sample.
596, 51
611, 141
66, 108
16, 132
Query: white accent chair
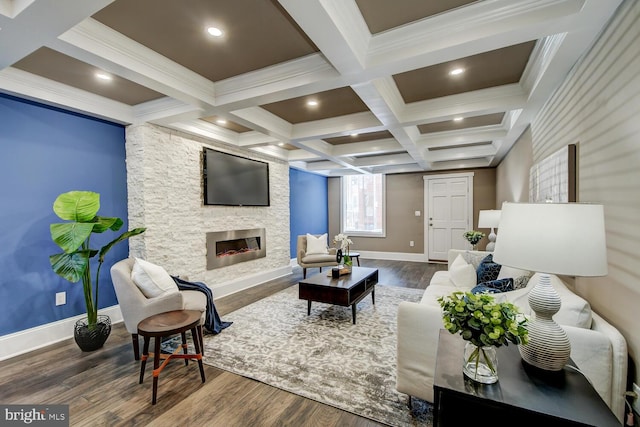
314, 260
136, 307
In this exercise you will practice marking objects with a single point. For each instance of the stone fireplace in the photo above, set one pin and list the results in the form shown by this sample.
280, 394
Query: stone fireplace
231, 247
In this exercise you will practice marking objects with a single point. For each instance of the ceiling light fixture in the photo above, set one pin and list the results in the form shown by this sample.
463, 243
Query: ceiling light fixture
221, 121
215, 32
458, 119
456, 71
312, 103
104, 76
280, 144
354, 134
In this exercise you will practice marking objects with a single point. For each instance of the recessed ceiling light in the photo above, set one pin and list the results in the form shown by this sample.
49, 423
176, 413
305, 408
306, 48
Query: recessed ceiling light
280, 144
312, 103
104, 76
215, 32
354, 134
456, 71
458, 119
221, 121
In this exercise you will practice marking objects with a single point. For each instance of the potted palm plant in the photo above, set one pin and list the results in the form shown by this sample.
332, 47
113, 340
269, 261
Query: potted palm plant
80, 211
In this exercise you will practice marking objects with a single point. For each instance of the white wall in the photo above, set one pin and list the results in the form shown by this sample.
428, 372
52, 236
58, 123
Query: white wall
512, 175
598, 108
164, 184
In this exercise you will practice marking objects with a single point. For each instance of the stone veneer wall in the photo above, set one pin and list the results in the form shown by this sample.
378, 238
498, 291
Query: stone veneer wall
164, 182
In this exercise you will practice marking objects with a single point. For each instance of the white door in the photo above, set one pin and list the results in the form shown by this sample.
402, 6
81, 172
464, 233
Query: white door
449, 208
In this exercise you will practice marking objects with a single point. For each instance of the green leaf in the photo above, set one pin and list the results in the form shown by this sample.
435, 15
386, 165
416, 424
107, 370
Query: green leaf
102, 224
106, 248
70, 235
79, 206
70, 266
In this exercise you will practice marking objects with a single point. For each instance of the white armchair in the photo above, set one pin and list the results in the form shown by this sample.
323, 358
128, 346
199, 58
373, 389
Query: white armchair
135, 306
313, 260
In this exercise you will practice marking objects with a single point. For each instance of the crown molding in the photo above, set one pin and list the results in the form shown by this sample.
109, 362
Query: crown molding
27, 85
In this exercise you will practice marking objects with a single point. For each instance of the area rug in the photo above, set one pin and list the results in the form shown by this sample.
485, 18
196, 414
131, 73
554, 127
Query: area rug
323, 356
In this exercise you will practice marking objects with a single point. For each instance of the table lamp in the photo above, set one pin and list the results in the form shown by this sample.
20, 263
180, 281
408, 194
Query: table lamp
550, 238
489, 219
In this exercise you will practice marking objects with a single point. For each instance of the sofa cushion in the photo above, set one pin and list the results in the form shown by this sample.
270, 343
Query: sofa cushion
487, 270
152, 280
462, 274
494, 286
316, 245
520, 277
315, 258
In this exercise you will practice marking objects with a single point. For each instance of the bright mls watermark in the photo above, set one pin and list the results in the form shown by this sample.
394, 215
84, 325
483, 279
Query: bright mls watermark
36, 415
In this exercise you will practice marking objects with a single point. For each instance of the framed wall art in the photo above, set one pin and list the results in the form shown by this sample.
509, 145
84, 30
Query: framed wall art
553, 179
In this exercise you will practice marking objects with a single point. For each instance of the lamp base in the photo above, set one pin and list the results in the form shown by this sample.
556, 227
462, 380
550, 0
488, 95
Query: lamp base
492, 241
548, 347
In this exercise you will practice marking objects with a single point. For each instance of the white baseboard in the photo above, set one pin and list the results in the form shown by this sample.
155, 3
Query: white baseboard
394, 256
245, 282
21, 342
41, 336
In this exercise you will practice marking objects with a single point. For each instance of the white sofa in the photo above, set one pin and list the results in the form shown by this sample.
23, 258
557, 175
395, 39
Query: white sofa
597, 348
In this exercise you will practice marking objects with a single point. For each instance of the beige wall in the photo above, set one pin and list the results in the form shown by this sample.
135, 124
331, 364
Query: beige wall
512, 175
598, 108
405, 195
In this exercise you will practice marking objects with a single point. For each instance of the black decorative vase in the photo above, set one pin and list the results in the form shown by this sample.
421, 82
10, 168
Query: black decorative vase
90, 339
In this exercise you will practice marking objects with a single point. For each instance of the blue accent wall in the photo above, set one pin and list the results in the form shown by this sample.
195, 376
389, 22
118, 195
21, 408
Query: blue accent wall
308, 200
46, 151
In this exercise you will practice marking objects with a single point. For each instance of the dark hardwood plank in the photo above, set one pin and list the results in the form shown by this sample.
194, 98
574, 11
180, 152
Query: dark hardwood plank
102, 387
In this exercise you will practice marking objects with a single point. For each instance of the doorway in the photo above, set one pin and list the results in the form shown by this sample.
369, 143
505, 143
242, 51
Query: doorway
448, 200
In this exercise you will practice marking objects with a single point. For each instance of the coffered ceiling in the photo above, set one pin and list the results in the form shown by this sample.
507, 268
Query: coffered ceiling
331, 86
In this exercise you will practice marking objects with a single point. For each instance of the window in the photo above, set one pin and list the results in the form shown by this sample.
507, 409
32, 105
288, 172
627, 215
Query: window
363, 205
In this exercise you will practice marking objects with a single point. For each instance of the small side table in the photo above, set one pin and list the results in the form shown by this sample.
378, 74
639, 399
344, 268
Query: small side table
165, 324
355, 255
522, 393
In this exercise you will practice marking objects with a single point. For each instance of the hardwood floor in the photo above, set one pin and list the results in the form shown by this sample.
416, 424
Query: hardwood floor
101, 387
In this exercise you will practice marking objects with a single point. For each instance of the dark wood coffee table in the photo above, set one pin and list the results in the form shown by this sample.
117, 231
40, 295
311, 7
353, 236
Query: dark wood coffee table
347, 290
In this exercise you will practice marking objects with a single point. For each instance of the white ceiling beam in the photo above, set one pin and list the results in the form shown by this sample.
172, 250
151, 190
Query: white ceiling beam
37, 88
377, 146
96, 44
33, 24
461, 164
390, 159
461, 136
461, 153
336, 27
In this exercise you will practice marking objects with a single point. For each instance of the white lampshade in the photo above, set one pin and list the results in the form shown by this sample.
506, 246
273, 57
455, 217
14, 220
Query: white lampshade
554, 238
489, 219
549, 238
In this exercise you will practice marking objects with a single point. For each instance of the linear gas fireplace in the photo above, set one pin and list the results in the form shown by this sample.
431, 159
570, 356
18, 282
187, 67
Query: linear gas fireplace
231, 247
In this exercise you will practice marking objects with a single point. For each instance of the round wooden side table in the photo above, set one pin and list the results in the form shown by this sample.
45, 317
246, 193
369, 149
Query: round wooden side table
166, 324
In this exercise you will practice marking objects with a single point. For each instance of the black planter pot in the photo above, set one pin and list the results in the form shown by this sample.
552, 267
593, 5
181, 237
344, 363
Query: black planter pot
90, 339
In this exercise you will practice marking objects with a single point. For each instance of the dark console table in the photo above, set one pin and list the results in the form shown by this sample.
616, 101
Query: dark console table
522, 395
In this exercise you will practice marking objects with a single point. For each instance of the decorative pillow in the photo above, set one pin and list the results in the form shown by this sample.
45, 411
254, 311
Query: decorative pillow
152, 280
481, 289
462, 274
488, 270
317, 245
473, 258
520, 277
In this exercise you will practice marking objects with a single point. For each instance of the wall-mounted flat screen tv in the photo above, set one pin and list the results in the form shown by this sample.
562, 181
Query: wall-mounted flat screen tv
231, 180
